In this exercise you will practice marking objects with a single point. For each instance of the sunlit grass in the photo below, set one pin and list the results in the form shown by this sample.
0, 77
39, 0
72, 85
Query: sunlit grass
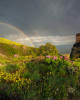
3, 40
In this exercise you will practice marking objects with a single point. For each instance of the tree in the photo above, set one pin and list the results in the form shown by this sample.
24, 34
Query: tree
47, 49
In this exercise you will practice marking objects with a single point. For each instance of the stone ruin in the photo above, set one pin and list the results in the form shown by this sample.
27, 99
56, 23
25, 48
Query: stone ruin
75, 51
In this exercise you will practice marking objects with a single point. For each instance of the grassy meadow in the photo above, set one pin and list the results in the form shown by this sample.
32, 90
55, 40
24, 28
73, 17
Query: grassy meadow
28, 73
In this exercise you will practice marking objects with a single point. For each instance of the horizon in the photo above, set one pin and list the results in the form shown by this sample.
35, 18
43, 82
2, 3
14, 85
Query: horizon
62, 49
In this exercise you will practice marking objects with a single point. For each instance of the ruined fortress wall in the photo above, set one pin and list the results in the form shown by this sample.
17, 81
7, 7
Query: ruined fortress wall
77, 37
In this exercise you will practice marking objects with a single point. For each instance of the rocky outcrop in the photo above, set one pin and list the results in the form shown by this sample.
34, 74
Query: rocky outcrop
75, 51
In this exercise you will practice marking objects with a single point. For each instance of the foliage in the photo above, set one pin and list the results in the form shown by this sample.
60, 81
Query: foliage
47, 49
55, 77
28, 73
10, 48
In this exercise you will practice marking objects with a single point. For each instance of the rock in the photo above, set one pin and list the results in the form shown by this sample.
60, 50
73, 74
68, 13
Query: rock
75, 51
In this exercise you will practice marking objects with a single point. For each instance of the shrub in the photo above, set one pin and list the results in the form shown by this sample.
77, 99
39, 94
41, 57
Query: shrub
12, 68
54, 77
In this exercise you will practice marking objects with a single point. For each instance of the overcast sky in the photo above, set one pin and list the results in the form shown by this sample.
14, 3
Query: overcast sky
40, 21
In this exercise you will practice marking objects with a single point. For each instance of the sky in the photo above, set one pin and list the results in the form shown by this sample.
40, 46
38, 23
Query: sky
36, 22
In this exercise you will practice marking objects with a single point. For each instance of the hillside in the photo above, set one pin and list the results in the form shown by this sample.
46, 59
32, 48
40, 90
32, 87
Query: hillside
6, 41
29, 73
9, 48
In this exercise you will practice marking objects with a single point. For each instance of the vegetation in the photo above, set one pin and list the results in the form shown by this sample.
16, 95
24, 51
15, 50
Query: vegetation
10, 48
28, 73
3, 40
52, 76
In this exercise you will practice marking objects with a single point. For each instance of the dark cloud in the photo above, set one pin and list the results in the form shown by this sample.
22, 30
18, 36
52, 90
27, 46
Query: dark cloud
42, 17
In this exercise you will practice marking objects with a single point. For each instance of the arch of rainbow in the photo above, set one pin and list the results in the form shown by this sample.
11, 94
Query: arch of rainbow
16, 29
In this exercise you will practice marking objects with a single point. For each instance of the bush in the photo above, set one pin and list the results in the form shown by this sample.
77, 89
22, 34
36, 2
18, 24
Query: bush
54, 77
47, 49
12, 68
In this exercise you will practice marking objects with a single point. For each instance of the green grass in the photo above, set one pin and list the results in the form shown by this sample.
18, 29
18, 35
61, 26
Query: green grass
9, 48
3, 40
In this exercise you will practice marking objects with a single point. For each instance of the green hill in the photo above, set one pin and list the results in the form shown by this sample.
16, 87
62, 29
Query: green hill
9, 48
3, 40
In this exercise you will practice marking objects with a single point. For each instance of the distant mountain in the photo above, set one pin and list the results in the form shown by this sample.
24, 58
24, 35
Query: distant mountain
62, 49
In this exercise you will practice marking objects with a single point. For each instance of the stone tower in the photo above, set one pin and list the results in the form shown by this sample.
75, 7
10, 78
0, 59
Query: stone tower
77, 37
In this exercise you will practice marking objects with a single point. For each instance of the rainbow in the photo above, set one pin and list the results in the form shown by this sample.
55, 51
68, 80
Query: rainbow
30, 27
15, 28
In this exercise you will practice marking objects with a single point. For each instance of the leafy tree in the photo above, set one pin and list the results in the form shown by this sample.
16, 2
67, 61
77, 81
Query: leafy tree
47, 49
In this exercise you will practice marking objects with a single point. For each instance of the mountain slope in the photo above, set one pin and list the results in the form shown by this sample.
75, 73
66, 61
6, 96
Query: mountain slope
3, 40
10, 48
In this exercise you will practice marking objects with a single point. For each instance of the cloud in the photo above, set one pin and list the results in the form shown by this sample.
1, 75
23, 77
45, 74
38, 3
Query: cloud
55, 40
47, 17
